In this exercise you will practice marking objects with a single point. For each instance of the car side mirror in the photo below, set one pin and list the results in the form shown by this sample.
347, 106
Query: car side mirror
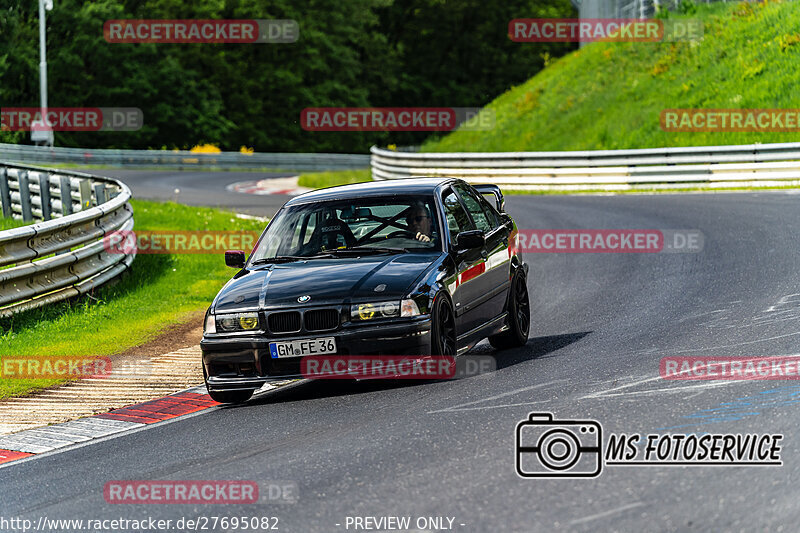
467, 240
234, 258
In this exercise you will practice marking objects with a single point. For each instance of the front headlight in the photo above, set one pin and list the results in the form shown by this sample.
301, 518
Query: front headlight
374, 310
409, 308
210, 325
237, 322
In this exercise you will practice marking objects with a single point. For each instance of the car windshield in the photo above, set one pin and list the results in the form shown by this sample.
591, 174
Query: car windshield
361, 225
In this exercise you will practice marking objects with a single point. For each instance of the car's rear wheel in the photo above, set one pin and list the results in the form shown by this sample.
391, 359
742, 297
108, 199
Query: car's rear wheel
519, 316
232, 396
443, 335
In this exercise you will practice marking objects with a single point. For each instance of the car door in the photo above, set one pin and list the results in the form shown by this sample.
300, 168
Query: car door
494, 280
463, 288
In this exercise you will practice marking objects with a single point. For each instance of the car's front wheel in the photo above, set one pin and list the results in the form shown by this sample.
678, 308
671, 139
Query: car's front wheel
519, 316
232, 396
443, 334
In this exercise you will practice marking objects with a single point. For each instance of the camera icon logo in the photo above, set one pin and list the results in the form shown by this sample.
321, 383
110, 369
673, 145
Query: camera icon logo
547, 448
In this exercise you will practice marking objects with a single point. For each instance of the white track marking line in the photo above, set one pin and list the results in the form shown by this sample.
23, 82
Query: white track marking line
621, 387
703, 386
609, 393
498, 396
251, 217
454, 410
698, 393
605, 513
744, 343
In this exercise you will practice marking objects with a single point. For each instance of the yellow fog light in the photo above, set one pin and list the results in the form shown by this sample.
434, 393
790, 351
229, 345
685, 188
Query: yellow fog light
366, 311
248, 321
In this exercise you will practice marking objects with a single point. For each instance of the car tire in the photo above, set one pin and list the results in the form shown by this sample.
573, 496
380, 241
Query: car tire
233, 396
519, 316
443, 328
230, 396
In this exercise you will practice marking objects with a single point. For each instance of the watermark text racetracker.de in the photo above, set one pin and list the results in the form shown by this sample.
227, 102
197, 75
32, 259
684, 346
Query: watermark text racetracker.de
54, 367
395, 366
549, 448
620, 241
188, 31
730, 120
709, 368
71, 119
72, 367
588, 30
397, 119
178, 242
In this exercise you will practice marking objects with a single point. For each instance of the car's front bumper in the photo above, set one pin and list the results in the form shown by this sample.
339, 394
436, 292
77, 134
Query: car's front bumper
244, 362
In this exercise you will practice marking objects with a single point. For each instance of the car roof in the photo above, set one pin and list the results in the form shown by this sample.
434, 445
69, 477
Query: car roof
371, 188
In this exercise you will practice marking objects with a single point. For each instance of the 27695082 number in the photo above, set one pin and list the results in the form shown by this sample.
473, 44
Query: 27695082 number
243, 523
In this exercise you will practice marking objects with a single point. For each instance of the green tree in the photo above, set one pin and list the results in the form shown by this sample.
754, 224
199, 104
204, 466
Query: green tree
354, 53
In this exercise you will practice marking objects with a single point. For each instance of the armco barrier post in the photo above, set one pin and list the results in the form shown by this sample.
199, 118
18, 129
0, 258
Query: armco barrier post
100, 193
85, 193
5, 194
25, 195
44, 194
66, 195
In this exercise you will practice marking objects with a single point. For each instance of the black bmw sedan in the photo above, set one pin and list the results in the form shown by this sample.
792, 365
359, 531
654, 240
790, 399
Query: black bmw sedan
423, 266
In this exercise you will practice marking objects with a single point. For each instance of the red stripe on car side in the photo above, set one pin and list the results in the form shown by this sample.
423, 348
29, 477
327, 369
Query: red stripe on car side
473, 272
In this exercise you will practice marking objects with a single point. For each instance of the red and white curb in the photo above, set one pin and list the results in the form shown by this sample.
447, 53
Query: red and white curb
286, 186
48, 438
31, 442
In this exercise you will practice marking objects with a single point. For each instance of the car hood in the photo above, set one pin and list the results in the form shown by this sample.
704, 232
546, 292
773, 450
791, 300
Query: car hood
325, 281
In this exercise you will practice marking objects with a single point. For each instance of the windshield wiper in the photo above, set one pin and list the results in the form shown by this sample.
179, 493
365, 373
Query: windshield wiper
371, 249
287, 259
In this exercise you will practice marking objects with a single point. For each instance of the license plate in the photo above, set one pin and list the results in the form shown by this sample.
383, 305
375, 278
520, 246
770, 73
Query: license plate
321, 346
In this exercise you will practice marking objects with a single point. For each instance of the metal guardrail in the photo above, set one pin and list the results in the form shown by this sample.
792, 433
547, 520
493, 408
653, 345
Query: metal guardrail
63, 255
183, 159
708, 166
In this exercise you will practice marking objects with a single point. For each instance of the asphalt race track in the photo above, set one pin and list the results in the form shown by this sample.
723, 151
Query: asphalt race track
199, 188
601, 324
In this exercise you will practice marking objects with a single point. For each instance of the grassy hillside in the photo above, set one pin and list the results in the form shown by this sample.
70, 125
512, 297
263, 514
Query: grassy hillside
610, 95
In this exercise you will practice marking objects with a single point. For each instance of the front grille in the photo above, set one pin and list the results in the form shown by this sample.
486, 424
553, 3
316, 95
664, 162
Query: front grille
321, 319
287, 322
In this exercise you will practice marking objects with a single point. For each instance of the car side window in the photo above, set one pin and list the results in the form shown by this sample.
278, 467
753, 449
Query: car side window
309, 225
300, 232
457, 219
491, 213
473, 203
